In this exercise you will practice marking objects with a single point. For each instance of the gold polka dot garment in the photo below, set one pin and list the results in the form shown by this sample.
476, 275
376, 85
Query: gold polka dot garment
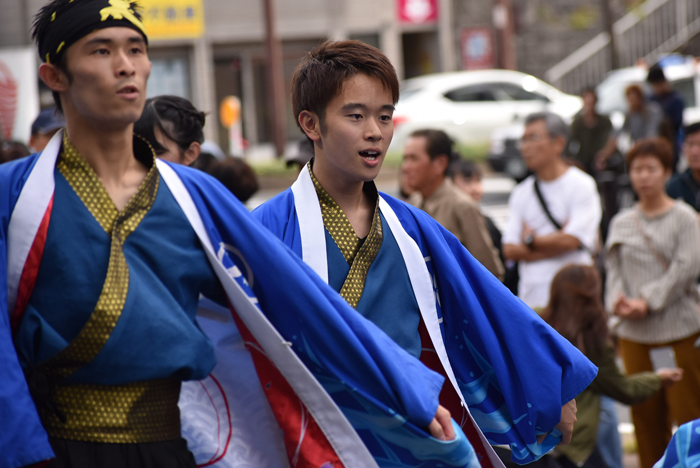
137, 412
358, 254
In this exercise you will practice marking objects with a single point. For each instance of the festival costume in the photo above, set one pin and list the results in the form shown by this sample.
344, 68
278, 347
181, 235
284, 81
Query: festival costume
356, 400
684, 449
512, 371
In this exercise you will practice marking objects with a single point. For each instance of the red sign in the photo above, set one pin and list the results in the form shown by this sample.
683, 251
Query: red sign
477, 49
418, 11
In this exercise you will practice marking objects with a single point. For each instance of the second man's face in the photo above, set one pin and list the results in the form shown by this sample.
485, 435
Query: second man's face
357, 130
109, 69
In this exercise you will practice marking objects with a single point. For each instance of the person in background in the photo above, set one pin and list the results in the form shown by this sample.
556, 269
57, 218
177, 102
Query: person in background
467, 177
672, 104
590, 132
173, 127
652, 263
11, 150
542, 243
236, 175
576, 311
427, 157
686, 186
44, 127
643, 120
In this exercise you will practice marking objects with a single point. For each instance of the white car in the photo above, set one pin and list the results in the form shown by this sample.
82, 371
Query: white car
469, 105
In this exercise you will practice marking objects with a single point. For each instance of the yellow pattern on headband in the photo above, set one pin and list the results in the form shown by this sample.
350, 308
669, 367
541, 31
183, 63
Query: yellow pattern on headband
60, 46
121, 9
53, 16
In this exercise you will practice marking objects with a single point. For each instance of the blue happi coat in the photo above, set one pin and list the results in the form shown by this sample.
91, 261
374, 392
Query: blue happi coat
513, 371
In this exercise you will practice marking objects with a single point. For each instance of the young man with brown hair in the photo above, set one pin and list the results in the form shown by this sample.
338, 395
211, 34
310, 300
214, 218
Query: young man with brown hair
398, 267
104, 253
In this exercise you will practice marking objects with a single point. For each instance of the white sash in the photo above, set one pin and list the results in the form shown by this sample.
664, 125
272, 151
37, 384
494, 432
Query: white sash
313, 242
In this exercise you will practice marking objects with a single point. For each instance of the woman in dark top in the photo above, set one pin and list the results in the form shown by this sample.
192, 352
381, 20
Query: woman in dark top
576, 311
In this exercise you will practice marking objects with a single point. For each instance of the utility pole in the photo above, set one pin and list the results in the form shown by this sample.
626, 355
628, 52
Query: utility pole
608, 26
275, 80
505, 27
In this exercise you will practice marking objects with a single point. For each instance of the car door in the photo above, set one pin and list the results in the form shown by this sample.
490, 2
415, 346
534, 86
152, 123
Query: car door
473, 112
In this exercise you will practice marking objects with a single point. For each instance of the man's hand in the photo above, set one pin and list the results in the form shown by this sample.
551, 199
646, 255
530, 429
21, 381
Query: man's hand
441, 425
566, 423
670, 376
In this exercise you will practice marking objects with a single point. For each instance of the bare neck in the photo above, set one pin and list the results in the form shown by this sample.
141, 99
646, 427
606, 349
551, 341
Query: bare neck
108, 151
552, 171
349, 195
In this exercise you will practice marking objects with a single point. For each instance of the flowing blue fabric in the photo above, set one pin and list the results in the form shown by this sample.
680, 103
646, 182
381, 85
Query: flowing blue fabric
386, 394
514, 371
684, 449
23, 440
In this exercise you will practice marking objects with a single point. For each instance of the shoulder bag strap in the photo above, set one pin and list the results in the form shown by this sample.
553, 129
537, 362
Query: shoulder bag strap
647, 240
545, 207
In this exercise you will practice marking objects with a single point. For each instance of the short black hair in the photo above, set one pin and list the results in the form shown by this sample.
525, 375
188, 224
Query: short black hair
41, 22
692, 128
656, 74
438, 143
175, 117
466, 169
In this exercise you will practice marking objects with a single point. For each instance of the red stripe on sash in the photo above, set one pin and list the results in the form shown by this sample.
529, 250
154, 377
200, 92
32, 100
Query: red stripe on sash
307, 446
31, 269
451, 400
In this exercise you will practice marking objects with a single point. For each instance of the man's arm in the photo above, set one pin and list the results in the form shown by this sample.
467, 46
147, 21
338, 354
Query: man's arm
542, 247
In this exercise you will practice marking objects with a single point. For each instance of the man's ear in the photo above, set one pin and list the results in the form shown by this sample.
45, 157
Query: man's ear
54, 78
440, 163
191, 154
310, 124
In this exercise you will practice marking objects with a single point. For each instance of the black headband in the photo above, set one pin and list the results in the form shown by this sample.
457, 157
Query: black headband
78, 18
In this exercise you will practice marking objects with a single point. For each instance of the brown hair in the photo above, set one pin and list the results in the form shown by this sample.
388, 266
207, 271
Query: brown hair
660, 148
636, 89
321, 74
576, 310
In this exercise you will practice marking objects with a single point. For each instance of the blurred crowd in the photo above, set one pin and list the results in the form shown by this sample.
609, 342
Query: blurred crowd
603, 241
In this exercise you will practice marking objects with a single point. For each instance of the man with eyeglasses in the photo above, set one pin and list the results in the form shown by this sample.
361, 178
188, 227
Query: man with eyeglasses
686, 186
553, 215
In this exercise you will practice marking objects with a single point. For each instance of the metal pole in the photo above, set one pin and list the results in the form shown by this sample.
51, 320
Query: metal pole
608, 26
275, 80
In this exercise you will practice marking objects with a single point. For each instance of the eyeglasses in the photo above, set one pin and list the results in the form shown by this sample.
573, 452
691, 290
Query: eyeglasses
534, 138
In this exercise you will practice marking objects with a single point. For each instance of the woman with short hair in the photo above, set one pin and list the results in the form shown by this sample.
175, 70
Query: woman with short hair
652, 265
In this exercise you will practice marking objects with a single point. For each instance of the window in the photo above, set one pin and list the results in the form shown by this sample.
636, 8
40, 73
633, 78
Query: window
686, 88
512, 92
473, 93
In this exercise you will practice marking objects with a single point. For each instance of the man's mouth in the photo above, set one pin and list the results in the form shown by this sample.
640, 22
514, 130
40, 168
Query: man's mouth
128, 90
370, 155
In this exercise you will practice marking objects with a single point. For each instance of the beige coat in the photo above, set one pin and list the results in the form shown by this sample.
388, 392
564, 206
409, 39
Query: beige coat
460, 215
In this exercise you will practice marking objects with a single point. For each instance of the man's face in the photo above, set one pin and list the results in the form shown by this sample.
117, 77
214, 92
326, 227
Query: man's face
471, 186
108, 72
357, 130
691, 149
537, 147
419, 170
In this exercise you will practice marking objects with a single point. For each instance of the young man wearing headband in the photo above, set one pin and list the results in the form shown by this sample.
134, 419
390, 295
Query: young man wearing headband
104, 253
398, 267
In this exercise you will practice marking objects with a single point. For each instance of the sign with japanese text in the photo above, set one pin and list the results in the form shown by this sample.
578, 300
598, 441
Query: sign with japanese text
418, 11
173, 19
477, 49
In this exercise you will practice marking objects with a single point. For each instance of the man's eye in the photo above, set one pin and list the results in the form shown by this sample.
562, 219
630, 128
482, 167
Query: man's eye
355, 116
101, 51
385, 118
136, 50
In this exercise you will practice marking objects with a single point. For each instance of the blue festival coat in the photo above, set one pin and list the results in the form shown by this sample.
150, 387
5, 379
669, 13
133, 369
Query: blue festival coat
353, 394
512, 370
684, 449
